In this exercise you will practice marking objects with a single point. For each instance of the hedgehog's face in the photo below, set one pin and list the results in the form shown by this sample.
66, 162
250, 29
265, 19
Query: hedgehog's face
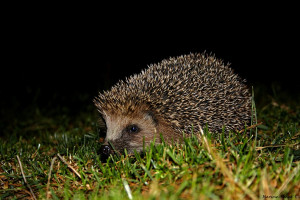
130, 132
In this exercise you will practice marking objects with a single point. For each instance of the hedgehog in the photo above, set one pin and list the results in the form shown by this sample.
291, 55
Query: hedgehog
173, 98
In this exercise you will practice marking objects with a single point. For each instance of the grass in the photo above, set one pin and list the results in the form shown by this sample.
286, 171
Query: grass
234, 166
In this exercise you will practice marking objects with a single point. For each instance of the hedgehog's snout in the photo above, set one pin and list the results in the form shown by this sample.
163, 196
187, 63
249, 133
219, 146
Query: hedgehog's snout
105, 152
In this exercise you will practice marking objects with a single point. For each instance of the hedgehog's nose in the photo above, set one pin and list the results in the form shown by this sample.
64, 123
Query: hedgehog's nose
105, 151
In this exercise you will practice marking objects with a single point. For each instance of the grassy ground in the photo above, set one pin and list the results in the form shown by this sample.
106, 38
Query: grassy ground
263, 164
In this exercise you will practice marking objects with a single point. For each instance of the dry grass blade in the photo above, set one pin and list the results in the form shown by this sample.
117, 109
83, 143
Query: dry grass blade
285, 183
250, 127
21, 167
64, 161
274, 146
127, 189
49, 177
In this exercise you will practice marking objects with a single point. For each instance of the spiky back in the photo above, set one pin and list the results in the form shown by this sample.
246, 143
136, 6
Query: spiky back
189, 90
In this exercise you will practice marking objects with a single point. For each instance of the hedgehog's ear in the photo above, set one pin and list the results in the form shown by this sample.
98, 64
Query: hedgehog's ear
149, 115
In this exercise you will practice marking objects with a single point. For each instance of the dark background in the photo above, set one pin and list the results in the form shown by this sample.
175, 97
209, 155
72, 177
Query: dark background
66, 63
48, 63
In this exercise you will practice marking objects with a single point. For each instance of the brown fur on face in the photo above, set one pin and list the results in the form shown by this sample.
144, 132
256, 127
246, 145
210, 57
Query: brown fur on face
149, 124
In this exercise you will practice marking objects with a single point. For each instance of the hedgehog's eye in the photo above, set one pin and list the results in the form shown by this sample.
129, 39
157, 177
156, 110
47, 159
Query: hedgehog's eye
133, 128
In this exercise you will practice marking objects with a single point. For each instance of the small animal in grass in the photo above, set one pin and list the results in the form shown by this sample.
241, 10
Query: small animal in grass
177, 95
